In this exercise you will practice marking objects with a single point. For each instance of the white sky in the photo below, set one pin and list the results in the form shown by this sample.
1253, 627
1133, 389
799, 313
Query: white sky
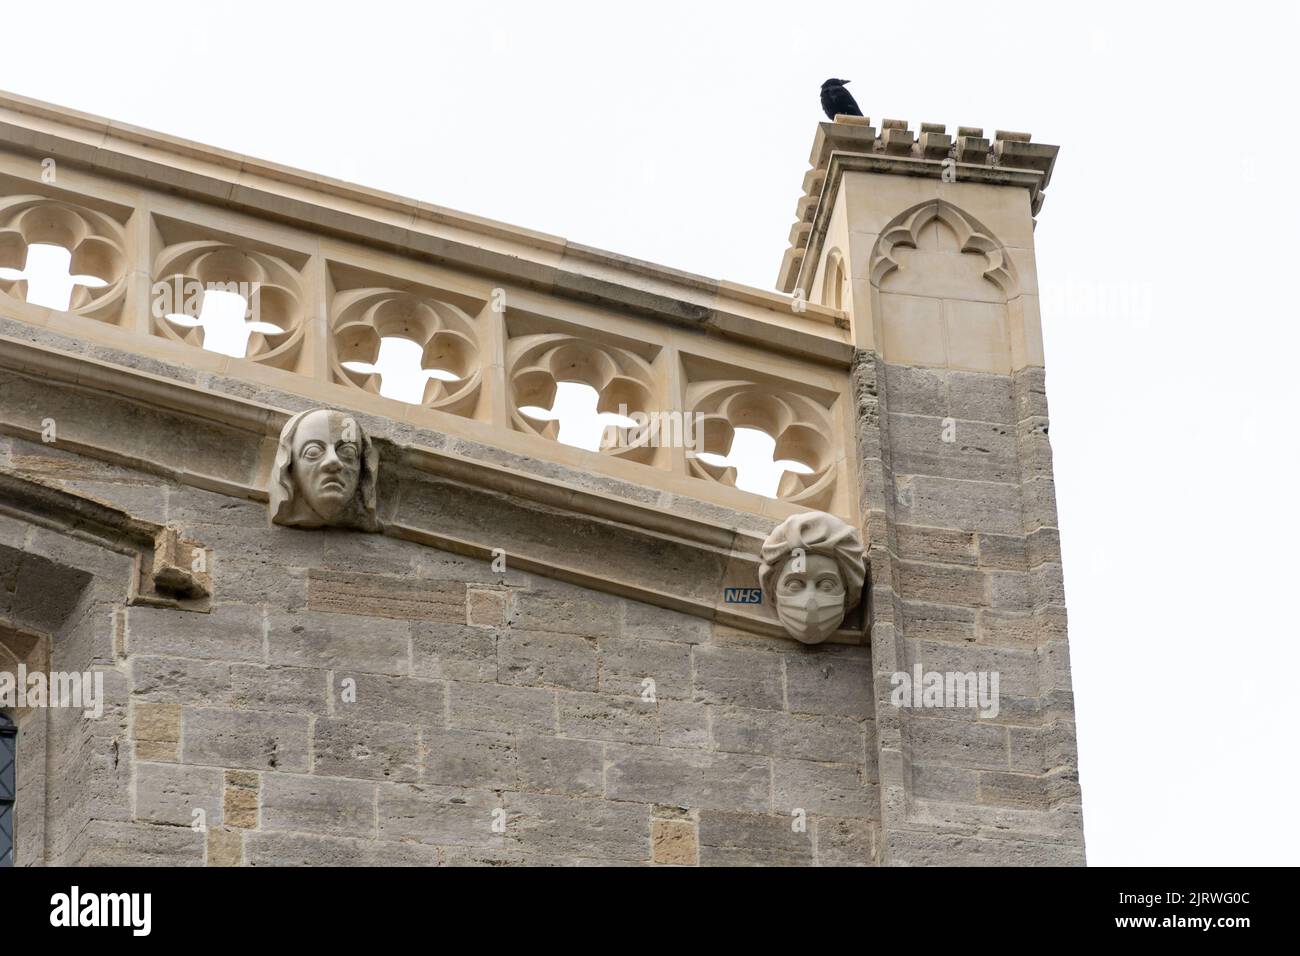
679, 133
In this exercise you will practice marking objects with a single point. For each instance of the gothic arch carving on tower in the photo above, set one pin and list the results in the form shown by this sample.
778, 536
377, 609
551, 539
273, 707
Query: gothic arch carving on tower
904, 230
833, 280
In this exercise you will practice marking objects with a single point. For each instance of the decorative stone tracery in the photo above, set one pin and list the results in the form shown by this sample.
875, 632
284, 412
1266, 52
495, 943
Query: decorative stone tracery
96, 242
272, 289
448, 338
905, 231
622, 379
802, 428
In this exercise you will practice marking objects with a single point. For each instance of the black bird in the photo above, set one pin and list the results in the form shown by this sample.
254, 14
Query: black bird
836, 99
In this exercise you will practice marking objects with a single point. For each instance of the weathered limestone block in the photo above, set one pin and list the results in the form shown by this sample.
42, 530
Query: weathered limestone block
169, 793
488, 607
308, 849
649, 623
936, 545
675, 842
542, 658
626, 664
362, 749
453, 652
180, 680
845, 842
558, 765
249, 740
987, 506
834, 686
318, 805
607, 717
943, 782
684, 724
501, 708
225, 846
339, 642
928, 848
687, 778
953, 448
242, 798
551, 828
952, 742
561, 609
440, 815
156, 730
378, 697
942, 584
140, 844
382, 595
737, 677
838, 790
472, 758
752, 839
231, 632
779, 734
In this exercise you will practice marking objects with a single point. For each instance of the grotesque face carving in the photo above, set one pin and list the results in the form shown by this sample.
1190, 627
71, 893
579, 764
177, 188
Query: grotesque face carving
810, 602
813, 571
324, 473
326, 463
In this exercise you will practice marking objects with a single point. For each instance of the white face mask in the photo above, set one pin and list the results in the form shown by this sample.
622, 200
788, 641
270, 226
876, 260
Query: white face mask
810, 602
813, 617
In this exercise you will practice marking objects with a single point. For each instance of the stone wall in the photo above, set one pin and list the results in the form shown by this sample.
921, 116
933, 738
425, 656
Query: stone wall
355, 698
341, 696
967, 578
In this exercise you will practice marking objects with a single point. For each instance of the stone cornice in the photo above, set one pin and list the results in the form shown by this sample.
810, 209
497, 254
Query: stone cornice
163, 574
851, 144
436, 234
224, 443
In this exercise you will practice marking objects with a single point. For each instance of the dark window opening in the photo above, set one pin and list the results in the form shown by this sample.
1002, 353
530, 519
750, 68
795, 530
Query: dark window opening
8, 788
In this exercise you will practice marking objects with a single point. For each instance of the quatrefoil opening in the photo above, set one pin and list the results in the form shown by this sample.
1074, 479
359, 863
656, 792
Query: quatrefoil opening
189, 278
800, 427
445, 336
96, 243
622, 380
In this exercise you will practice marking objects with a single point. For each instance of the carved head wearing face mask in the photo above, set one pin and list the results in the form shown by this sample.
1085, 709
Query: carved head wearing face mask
813, 572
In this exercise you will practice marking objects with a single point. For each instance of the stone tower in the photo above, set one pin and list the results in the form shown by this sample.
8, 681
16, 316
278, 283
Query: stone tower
327, 622
928, 244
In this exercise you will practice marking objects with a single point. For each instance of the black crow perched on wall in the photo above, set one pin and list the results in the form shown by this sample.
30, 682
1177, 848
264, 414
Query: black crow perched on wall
836, 99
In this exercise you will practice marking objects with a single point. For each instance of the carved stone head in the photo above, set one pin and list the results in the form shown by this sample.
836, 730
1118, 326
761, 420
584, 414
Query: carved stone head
324, 474
813, 571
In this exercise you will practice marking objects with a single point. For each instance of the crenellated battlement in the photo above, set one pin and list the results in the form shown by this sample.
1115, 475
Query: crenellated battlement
851, 142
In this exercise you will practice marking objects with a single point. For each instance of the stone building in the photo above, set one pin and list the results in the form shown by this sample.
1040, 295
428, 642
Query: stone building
481, 644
